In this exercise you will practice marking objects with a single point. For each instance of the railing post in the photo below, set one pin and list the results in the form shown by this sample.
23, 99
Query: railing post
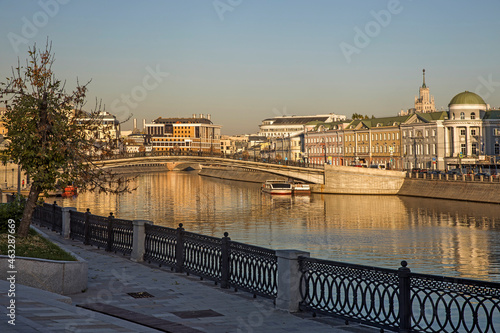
179, 250
109, 244
139, 237
404, 298
289, 276
66, 221
225, 272
86, 228
53, 222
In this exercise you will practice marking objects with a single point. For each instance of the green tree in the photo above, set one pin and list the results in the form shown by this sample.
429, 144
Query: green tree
50, 137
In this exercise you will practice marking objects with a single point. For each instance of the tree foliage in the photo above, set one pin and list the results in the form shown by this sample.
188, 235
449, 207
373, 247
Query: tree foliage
51, 138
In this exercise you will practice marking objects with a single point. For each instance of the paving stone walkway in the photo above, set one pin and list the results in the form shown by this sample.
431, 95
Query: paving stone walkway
164, 301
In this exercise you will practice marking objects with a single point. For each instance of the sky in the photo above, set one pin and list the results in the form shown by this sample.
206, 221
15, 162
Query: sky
243, 61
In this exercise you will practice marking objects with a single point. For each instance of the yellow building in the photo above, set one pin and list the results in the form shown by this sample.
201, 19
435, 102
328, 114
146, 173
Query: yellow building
196, 135
3, 130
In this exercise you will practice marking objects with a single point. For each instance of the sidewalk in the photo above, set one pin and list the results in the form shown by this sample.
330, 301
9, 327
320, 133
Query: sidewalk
168, 301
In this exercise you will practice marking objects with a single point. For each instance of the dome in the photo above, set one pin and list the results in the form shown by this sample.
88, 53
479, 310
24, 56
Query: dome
467, 97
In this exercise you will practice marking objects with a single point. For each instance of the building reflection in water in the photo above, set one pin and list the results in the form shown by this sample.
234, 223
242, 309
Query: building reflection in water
434, 236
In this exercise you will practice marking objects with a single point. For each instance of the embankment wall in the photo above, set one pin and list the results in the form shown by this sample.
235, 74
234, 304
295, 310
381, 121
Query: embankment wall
452, 190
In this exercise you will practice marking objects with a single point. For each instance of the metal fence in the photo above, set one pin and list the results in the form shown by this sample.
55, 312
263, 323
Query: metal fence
398, 300
395, 300
49, 216
232, 264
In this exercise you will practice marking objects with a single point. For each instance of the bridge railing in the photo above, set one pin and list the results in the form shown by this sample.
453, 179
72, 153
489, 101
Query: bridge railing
395, 300
209, 155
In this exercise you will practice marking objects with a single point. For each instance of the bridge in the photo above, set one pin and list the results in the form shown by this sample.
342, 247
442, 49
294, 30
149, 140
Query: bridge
186, 162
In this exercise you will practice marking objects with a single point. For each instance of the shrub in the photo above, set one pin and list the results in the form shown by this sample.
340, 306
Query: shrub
12, 210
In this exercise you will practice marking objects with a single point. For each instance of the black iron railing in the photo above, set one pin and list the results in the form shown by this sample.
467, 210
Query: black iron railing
398, 300
352, 292
254, 269
231, 264
394, 300
77, 227
160, 245
443, 304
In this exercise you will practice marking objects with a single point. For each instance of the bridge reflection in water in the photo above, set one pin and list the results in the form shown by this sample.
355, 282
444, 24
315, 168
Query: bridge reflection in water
434, 236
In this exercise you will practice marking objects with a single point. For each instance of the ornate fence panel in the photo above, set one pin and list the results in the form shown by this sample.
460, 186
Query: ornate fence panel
442, 304
253, 269
77, 225
44, 215
353, 292
98, 226
57, 219
202, 256
123, 235
160, 245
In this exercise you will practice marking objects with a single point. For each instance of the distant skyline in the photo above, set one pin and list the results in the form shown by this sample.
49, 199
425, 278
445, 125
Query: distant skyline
246, 60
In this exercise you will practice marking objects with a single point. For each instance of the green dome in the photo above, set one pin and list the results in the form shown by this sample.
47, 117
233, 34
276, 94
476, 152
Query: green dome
467, 97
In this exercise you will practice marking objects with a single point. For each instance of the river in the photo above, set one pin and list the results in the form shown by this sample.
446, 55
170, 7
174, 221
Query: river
443, 237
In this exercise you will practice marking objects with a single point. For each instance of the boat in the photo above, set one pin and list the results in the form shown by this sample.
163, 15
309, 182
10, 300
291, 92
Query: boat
69, 191
277, 187
300, 189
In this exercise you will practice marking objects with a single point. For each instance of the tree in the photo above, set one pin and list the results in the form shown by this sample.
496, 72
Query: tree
51, 138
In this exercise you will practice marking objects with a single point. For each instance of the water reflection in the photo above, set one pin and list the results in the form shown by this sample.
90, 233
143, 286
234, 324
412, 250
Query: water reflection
434, 236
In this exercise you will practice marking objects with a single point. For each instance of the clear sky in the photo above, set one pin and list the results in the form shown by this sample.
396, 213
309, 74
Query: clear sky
246, 60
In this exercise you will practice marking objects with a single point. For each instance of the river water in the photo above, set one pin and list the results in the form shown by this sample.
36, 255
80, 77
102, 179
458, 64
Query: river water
441, 237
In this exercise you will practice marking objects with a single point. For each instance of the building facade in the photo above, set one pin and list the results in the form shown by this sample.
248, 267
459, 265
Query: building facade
196, 135
293, 125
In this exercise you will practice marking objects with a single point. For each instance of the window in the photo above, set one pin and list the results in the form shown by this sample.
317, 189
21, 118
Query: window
474, 149
462, 132
497, 148
463, 149
462, 115
433, 132
472, 132
472, 115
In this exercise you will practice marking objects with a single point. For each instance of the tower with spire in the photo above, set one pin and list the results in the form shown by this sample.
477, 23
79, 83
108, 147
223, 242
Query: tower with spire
425, 102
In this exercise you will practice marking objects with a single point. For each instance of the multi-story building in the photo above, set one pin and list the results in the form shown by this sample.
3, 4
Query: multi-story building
422, 141
324, 143
472, 132
3, 130
425, 102
284, 126
196, 134
374, 141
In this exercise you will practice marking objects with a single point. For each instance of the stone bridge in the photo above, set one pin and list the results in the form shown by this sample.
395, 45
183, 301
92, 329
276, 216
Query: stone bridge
172, 163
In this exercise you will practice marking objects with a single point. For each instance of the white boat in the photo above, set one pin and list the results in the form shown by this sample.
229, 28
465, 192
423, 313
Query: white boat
277, 187
299, 189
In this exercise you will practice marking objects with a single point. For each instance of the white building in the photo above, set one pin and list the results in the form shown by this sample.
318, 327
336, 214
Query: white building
285, 126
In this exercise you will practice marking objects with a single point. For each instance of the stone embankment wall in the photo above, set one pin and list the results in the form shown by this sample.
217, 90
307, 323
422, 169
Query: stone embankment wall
351, 180
238, 174
452, 190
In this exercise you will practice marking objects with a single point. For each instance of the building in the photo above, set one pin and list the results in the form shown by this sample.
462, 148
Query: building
283, 126
422, 141
472, 132
195, 135
424, 103
3, 129
374, 141
324, 143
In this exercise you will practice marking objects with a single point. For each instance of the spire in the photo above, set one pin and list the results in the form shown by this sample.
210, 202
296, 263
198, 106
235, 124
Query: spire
423, 84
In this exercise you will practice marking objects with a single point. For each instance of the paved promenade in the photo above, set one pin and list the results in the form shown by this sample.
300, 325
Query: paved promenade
176, 303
